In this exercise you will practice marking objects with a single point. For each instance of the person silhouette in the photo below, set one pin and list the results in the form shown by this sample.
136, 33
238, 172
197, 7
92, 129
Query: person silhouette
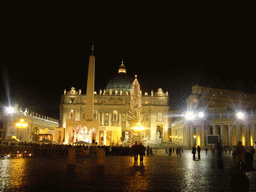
194, 152
198, 151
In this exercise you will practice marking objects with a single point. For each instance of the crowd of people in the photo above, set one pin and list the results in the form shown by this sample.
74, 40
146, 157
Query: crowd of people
138, 150
241, 157
62, 150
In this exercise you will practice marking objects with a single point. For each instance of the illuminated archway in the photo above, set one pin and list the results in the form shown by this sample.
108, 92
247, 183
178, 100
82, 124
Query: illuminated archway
159, 131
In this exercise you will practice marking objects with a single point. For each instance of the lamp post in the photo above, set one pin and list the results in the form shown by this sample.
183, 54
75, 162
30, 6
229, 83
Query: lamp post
195, 117
21, 124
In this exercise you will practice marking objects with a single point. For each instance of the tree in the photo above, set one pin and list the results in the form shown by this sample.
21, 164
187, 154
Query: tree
135, 114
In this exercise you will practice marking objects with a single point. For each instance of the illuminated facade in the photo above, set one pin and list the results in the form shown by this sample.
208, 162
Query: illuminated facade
111, 108
29, 127
211, 112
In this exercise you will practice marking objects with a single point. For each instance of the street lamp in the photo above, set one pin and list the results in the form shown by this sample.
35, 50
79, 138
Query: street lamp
240, 115
21, 124
9, 110
191, 115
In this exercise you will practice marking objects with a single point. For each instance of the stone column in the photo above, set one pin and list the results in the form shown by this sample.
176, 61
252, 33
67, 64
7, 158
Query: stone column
229, 136
103, 118
202, 135
222, 135
238, 134
215, 130
120, 119
254, 132
246, 135
104, 137
184, 136
110, 119
191, 136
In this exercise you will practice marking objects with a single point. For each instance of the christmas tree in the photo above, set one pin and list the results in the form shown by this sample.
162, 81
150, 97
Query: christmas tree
135, 116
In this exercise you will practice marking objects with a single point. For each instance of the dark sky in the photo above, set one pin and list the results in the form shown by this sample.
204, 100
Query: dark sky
46, 50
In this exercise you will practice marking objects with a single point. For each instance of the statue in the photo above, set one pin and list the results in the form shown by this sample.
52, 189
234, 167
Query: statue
158, 135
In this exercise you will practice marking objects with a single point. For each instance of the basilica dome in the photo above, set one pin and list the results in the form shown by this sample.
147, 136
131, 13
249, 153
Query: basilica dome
121, 81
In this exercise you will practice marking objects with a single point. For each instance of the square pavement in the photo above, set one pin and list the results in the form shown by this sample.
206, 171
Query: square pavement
159, 172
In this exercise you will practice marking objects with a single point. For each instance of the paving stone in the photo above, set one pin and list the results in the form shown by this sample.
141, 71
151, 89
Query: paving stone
158, 173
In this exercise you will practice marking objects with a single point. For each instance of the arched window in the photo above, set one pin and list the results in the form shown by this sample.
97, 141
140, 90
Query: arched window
115, 115
71, 114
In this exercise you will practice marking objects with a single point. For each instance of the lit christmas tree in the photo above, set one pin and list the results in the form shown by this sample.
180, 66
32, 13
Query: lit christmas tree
135, 116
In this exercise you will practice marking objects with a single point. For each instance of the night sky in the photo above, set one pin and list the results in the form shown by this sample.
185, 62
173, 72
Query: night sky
44, 52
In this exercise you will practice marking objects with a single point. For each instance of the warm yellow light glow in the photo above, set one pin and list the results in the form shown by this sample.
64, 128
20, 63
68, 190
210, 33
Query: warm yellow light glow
243, 140
18, 124
194, 136
21, 124
198, 140
24, 125
139, 127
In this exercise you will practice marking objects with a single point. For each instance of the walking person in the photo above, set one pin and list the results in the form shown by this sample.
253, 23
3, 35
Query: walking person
170, 151
141, 152
198, 151
213, 151
135, 150
194, 153
148, 150
206, 150
240, 150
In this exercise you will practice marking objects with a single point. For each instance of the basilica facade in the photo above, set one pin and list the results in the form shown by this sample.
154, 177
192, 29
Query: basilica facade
111, 109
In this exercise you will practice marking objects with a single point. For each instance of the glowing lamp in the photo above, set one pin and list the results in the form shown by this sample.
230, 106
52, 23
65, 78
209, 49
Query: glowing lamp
9, 110
190, 116
200, 114
240, 115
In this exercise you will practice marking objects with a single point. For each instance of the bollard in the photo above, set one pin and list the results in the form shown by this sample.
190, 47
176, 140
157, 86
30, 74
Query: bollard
101, 157
72, 156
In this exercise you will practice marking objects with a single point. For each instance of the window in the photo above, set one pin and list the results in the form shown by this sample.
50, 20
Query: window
71, 100
115, 115
146, 102
71, 114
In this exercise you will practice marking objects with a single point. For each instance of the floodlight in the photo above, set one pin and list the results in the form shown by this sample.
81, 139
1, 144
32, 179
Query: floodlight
190, 116
201, 114
240, 115
9, 110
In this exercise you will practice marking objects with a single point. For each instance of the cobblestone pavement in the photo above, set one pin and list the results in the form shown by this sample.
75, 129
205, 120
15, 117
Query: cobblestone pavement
159, 173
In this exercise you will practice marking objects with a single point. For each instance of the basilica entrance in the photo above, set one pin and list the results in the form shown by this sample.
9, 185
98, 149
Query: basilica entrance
159, 131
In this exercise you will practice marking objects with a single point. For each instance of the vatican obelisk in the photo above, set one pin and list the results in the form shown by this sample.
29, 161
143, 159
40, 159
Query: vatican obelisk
91, 123
90, 88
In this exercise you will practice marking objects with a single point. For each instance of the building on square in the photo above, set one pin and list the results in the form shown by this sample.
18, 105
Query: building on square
216, 115
111, 108
26, 126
